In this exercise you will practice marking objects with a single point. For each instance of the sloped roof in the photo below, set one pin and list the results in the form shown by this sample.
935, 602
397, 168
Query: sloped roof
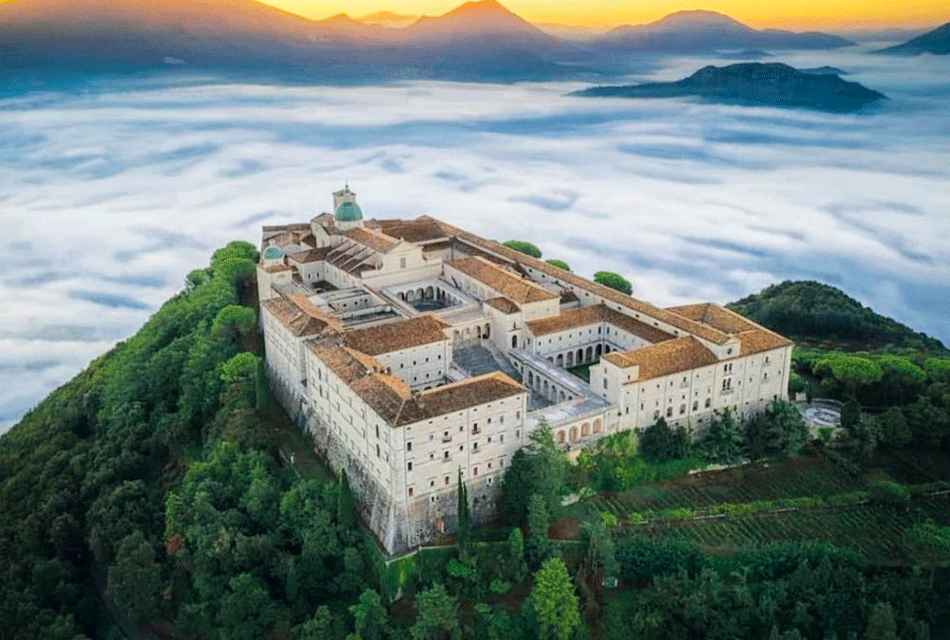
374, 240
459, 396
508, 284
311, 255
665, 358
299, 322
503, 304
674, 319
752, 337
411, 230
593, 314
396, 336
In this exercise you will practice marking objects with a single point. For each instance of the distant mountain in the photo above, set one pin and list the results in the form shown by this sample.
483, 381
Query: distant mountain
389, 19
825, 71
816, 312
936, 42
476, 41
485, 23
756, 84
692, 31
144, 32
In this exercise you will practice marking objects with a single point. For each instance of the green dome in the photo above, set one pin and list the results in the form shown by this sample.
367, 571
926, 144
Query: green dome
348, 212
273, 253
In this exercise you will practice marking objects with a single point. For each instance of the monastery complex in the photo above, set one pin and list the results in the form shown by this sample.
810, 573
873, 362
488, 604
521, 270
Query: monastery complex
414, 351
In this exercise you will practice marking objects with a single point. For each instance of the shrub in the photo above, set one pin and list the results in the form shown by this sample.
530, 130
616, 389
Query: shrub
614, 281
560, 264
887, 492
523, 247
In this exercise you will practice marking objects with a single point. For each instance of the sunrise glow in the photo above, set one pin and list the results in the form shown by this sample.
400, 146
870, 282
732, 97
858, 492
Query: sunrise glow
601, 13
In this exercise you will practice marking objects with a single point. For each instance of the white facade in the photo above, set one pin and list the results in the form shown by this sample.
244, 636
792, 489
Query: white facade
377, 333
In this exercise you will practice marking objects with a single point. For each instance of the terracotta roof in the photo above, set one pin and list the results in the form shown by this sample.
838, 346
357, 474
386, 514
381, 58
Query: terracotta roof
759, 340
315, 312
311, 255
752, 337
664, 358
295, 319
391, 399
503, 304
395, 336
715, 316
276, 268
411, 230
374, 240
459, 396
594, 314
685, 324
509, 285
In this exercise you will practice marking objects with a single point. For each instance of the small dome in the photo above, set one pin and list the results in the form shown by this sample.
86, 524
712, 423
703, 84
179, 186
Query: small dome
273, 253
348, 212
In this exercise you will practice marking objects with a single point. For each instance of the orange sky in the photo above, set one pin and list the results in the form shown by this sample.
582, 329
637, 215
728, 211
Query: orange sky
793, 14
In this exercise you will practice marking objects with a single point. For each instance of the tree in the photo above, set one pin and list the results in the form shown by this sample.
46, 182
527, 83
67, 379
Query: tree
789, 427
437, 615
370, 616
560, 264
895, 432
516, 488
928, 423
851, 416
515, 567
759, 436
614, 281
881, 625
659, 443
523, 247
548, 467
849, 370
240, 367
463, 536
539, 521
133, 581
234, 319
722, 440
318, 627
247, 611
554, 602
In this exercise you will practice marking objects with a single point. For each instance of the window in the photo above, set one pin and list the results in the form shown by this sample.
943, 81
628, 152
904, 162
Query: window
669, 412
695, 405
501, 438
431, 483
409, 446
410, 466
446, 480
377, 451
445, 455
377, 431
708, 402
682, 409
474, 446
475, 471
656, 414
402, 263
410, 492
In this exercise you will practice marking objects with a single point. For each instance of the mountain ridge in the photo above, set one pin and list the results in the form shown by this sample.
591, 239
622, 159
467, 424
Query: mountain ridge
936, 42
754, 84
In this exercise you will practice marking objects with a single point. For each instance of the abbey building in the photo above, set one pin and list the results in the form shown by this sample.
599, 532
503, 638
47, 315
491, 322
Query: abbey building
415, 351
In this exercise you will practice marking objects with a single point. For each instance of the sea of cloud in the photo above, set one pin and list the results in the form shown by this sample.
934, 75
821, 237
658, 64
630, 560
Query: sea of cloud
112, 189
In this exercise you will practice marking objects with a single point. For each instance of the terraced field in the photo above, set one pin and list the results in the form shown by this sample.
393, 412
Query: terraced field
876, 531
794, 478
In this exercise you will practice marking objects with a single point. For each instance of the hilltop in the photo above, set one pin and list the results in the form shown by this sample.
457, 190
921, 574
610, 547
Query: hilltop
691, 31
755, 84
812, 312
936, 42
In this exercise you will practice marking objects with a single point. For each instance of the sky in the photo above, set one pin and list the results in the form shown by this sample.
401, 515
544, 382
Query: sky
797, 14
113, 189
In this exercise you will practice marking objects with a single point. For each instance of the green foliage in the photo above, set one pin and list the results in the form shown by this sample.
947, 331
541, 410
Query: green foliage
234, 319
345, 502
437, 616
819, 311
851, 371
614, 281
540, 468
241, 367
134, 579
515, 566
851, 416
553, 601
890, 493
539, 521
722, 440
659, 443
881, 625
560, 264
895, 431
464, 520
370, 616
523, 247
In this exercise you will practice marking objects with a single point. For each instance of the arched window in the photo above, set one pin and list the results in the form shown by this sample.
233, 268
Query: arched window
574, 434
514, 342
560, 437
597, 425
585, 430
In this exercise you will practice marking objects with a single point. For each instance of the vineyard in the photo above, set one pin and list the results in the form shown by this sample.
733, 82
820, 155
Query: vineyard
807, 498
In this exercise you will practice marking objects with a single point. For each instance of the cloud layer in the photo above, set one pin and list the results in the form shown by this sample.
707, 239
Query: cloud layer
111, 190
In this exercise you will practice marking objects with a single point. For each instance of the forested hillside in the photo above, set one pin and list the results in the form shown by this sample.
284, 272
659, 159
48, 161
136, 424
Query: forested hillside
146, 499
814, 312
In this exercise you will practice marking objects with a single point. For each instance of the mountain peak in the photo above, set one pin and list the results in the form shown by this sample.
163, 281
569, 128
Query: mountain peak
482, 7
